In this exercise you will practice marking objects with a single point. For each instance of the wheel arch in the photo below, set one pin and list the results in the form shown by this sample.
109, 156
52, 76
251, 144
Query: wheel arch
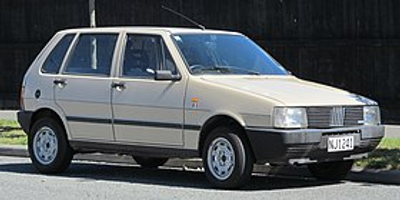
47, 112
222, 120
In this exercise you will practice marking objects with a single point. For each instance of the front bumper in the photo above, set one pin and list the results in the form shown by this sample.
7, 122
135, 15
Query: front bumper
302, 146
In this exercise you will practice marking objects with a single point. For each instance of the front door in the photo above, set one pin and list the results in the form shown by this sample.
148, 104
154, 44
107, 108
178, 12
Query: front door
146, 111
83, 89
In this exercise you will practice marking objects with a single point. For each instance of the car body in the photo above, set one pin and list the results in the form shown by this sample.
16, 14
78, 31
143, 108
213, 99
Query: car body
157, 93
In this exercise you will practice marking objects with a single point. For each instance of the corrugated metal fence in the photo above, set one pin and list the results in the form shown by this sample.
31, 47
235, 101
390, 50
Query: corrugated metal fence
351, 44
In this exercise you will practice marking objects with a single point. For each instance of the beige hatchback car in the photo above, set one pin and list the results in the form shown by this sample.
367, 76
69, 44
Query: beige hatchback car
160, 93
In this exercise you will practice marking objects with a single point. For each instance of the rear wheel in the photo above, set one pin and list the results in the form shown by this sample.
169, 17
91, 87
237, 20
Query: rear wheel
48, 146
147, 162
331, 170
227, 158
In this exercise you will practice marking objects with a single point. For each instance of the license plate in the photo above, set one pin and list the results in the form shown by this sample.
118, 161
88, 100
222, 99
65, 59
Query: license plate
344, 143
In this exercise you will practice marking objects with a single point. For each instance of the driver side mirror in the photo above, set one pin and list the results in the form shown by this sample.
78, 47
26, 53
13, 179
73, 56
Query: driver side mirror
166, 75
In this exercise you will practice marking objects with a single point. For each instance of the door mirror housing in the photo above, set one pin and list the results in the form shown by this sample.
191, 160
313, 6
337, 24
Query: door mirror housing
166, 75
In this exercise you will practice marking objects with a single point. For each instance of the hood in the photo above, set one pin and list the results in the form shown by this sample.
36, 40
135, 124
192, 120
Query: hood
289, 90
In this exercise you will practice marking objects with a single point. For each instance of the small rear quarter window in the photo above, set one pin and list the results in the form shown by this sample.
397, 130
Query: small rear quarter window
54, 60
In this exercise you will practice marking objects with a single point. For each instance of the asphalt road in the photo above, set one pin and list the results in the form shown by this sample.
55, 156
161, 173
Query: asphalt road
88, 180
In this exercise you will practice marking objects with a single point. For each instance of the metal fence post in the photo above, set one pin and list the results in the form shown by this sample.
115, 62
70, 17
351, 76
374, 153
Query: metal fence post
92, 13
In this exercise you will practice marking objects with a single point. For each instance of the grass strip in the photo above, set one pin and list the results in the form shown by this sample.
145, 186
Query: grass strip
11, 133
386, 156
9, 123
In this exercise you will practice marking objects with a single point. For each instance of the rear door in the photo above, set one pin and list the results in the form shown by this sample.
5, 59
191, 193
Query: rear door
147, 111
83, 89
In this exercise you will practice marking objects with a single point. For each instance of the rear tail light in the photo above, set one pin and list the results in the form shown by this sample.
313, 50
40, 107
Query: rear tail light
21, 98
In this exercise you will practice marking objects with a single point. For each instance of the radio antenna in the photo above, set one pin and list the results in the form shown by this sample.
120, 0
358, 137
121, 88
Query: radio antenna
184, 17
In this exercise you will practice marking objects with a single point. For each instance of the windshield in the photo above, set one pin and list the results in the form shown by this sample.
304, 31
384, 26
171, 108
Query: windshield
226, 54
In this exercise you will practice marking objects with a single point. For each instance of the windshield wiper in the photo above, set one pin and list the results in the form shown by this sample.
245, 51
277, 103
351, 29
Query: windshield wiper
227, 67
221, 69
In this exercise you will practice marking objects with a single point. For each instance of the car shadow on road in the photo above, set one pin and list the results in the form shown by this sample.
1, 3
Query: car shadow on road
174, 177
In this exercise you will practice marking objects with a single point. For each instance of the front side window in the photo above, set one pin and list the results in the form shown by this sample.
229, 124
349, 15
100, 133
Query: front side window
168, 63
144, 54
92, 55
54, 60
226, 54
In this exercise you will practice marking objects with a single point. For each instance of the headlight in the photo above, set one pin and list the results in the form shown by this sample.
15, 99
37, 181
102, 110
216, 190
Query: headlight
372, 115
290, 118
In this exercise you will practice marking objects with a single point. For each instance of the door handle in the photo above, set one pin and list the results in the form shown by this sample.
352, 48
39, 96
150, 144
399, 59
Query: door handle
118, 86
60, 82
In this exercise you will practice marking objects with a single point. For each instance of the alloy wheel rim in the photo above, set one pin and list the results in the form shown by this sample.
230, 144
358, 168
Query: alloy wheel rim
221, 158
45, 145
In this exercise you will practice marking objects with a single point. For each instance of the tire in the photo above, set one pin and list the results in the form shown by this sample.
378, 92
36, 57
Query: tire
48, 146
151, 163
330, 170
227, 158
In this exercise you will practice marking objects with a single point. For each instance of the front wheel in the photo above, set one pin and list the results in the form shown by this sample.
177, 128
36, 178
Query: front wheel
331, 170
48, 146
227, 158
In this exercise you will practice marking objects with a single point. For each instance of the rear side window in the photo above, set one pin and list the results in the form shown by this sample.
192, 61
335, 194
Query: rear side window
92, 55
54, 60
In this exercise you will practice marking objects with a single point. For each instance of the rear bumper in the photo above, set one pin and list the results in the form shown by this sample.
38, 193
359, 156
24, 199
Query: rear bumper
304, 146
24, 119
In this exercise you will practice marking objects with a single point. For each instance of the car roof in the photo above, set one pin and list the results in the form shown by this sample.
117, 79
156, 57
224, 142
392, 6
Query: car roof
171, 30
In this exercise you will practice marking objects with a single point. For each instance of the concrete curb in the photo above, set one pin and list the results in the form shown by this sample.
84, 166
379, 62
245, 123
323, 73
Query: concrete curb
357, 174
14, 150
8, 114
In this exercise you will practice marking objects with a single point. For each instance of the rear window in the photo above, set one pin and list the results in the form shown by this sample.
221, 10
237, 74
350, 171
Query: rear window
54, 60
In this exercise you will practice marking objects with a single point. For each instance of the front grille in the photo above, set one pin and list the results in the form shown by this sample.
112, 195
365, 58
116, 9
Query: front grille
327, 117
